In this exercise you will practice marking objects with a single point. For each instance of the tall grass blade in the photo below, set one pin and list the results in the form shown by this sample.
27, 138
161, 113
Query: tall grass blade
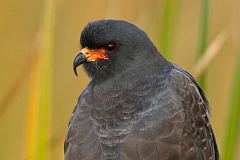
32, 111
40, 90
202, 41
210, 53
232, 130
167, 26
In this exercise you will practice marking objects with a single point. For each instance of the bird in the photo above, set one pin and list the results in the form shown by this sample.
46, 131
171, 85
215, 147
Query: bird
137, 105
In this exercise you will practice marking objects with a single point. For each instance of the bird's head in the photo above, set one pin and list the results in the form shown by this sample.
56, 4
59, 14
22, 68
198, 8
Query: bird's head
112, 46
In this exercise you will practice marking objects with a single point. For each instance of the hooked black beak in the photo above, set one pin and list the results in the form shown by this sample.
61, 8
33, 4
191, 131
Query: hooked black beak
78, 60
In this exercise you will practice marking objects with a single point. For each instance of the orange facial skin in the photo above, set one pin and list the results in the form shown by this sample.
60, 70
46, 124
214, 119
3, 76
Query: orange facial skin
93, 55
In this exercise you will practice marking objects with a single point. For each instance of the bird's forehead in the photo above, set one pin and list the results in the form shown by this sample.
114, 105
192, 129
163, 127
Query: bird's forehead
96, 34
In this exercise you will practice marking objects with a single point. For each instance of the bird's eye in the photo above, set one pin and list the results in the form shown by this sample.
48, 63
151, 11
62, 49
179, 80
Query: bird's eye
110, 47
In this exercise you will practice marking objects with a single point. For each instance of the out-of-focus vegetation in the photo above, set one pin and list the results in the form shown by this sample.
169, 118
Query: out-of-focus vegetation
233, 127
202, 40
39, 40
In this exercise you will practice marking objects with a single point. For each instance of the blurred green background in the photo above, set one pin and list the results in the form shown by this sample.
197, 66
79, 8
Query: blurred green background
39, 40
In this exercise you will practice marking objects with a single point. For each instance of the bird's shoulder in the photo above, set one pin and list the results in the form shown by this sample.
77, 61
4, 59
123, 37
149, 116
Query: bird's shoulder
182, 83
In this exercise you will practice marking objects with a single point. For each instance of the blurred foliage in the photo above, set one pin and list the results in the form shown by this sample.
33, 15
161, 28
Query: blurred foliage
39, 40
233, 125
40, 90
167, 26
203, 32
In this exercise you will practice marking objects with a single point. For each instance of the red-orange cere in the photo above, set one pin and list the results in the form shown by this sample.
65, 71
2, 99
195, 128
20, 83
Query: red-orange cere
94, 54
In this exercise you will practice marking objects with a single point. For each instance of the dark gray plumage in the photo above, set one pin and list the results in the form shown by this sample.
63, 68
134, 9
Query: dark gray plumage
138, 106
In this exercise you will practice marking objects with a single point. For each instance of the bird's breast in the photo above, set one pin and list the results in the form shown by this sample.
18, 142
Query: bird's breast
116, 109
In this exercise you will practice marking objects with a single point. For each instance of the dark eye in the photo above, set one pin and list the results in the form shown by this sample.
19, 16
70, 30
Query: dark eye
110, 47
